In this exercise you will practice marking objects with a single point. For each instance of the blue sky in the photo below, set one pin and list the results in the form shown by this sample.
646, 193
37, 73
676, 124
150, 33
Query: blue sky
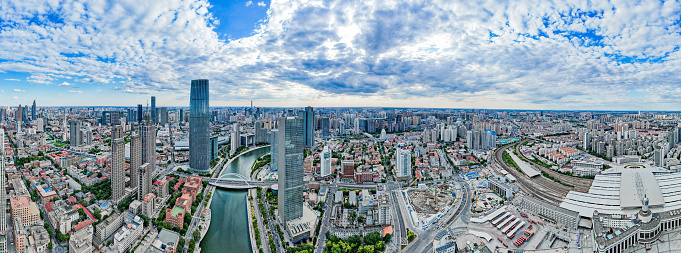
619, 55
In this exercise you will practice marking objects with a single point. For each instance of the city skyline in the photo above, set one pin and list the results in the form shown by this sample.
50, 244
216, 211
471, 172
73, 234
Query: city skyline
498, 56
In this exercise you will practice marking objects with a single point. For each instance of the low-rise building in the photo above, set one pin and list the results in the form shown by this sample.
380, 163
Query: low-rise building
81, 238
549, 211
128, 234
165, 242
108, 227
148, 205
500, 188
26, 210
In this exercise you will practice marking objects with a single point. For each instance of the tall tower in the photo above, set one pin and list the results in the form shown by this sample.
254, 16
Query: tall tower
74, 129
309, 127
153, 109
148, 140
18, 114
135, 161
199, 127
33, 112
290, 166
3, 197
139, 114
117, 169
236, 138
144, 180
326, 162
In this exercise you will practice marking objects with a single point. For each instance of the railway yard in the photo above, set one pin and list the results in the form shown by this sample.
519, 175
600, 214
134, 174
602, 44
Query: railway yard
540, 186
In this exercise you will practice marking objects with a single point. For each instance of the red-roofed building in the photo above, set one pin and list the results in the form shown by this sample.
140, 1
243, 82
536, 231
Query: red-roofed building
87, 212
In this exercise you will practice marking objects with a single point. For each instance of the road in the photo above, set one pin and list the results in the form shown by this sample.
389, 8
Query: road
328, 207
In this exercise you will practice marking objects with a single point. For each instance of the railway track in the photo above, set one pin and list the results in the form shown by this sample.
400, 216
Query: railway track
541, 187
580, 184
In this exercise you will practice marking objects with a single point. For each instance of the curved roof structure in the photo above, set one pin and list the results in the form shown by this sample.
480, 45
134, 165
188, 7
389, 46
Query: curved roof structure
621, 191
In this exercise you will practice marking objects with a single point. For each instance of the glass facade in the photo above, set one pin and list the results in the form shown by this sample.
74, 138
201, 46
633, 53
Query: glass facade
199, 128
290, 153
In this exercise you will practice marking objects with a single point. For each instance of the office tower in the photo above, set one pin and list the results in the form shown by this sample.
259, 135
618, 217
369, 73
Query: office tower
403, 162
135, 160
163, 116
325, 160
153, 109
74, 129
236, 138
309, 127
117, 169
139, 113
214, 147
148, 140
33, 112
87, 136
273, 150
3, 197
18, 114
199, 127
325, 126
117, 132
181, 115
587, 141
290, 166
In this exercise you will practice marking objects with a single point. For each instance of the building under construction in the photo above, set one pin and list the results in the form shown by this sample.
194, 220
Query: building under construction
432, 199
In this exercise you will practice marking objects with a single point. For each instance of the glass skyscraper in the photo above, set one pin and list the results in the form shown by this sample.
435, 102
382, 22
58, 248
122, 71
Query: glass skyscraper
199, 128
153, 109
290, 154
309, 126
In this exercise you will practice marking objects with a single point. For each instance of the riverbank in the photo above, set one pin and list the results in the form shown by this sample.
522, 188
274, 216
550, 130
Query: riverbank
229, 216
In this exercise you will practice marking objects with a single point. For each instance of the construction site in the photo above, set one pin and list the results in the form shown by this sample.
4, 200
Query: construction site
433, 199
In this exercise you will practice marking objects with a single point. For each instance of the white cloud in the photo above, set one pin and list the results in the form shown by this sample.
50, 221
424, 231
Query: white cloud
75, 91
12, 79
518, 54
19, 90
65, 84
15, 97
262, 4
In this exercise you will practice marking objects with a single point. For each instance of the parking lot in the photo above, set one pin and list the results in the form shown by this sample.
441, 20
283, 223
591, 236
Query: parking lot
513, 220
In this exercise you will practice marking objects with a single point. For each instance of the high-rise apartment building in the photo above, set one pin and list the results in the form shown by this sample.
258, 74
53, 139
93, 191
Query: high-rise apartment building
290, 166
309, 127
325, 160
135, 160
199, 127
274, 135
236, 138
117, 168
403, 162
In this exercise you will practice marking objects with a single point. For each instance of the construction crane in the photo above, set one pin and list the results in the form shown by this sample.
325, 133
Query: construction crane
412, 183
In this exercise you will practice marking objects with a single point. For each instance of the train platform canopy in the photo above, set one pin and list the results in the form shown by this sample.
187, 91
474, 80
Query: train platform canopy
526, 168
622, 191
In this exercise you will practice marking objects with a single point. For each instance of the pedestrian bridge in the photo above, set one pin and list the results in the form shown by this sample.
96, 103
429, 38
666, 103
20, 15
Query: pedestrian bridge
238, 182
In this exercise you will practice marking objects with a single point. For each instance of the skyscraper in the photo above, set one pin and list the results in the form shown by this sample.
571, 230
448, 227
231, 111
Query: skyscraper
153, 109
33, 112
273, 150
163, 116
325, 126
236, 138
403, 162
199, 127
325, 160
148, 140
18, 114
290, 165
181, 115
74, 131
144, 183
139, 113
309, 127
135, 161
3, 197
117, 169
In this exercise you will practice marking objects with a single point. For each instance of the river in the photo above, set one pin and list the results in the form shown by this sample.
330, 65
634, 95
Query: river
228, 230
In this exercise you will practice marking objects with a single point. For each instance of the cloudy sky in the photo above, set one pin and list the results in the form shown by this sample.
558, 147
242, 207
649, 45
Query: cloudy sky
621, 55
